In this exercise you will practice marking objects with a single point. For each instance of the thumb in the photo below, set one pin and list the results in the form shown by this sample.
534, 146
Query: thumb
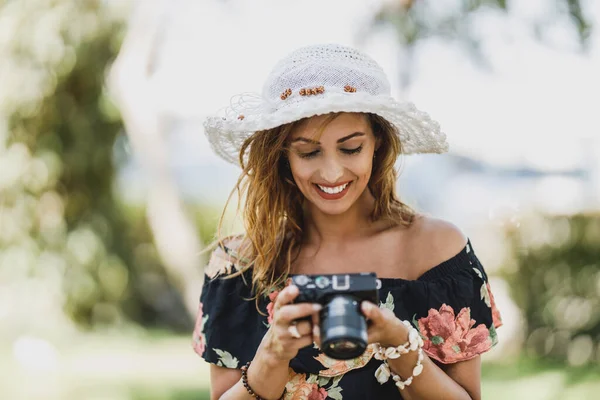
371, 311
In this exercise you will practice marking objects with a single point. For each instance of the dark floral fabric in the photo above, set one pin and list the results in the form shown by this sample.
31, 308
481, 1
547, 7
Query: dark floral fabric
451, 305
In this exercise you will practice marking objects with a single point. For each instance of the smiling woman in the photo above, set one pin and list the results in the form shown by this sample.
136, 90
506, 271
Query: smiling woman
335, 167
317, 150
331, 160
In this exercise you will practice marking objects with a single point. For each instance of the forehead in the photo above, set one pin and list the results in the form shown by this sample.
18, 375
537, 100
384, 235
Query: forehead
331, 126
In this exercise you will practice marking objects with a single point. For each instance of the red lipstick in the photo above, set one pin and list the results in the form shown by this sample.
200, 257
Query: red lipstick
332, 196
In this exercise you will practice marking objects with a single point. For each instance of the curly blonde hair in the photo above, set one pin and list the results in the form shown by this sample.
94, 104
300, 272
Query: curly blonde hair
273, 209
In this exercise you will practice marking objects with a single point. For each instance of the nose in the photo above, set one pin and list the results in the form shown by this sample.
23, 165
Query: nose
332, 170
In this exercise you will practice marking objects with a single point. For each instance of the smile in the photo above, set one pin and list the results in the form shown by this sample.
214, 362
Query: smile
332, 192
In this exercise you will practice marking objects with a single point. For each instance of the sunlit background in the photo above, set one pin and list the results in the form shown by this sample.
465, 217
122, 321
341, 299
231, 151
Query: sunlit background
109, 190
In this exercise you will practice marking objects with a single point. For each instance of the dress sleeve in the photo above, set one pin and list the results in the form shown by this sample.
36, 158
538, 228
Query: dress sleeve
228, 326
462, 316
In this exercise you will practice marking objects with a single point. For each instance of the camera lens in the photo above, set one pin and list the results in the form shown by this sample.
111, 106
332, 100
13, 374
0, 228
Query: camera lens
343, 328
343, 345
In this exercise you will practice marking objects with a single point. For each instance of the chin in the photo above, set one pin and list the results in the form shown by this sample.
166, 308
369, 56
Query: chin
332, 210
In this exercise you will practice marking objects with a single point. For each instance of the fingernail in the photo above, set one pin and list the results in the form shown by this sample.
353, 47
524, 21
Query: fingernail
367, 306
293, 289
317, 307
316, 331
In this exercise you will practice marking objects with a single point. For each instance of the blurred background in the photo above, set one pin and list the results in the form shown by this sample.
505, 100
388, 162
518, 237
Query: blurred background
109, 190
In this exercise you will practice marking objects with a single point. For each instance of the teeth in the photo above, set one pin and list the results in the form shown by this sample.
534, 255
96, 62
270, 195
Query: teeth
333, 190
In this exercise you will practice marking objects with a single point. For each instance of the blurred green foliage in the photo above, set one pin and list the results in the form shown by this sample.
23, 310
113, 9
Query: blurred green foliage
61, 225
554, 277
464, 23
206, 218
417, 20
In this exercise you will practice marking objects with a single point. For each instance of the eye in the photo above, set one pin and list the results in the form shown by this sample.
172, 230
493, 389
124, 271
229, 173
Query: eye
353, 151
309, 155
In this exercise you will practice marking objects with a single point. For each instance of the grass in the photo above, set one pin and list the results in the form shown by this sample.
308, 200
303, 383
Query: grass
158, 367
527, 378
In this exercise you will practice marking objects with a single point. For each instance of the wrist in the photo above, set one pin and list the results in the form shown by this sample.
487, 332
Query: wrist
398, 334
270, 361
271, 354
394, 353
259, 389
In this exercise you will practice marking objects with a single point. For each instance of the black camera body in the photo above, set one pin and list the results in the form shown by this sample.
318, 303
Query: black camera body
343, 326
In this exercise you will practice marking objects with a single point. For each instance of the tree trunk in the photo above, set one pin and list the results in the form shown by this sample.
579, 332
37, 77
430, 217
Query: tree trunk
175, 236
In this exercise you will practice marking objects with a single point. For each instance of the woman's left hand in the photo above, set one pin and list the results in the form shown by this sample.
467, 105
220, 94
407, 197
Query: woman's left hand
384, 327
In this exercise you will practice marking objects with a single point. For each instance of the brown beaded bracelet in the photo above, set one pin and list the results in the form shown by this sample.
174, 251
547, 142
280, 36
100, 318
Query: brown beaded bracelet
247, 385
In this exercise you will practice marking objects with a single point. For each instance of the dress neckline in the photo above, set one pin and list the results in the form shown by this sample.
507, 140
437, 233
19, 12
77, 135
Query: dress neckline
443, 269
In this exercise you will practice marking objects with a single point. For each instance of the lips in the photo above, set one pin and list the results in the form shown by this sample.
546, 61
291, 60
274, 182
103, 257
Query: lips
332, 192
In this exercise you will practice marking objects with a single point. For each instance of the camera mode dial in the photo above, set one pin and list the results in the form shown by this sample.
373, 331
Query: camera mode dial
322, 282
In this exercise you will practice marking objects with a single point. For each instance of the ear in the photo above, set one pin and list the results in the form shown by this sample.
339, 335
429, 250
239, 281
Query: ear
377, 142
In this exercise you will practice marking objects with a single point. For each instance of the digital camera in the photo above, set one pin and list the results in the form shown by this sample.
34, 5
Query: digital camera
343, 326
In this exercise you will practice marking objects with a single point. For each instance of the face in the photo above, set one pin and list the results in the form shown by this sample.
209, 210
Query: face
332, 166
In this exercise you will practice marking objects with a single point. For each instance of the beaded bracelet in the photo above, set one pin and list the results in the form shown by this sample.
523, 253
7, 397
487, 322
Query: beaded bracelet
415, 342
247, 385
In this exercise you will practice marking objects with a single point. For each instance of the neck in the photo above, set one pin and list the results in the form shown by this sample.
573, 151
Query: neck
326, 229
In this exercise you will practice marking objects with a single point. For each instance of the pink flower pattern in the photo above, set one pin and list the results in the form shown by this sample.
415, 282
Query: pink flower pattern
318, 393
450, 338
298, 388
496, 317
198, 339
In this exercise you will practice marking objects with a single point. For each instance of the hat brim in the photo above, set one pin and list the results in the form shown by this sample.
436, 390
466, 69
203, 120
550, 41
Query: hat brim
418, 132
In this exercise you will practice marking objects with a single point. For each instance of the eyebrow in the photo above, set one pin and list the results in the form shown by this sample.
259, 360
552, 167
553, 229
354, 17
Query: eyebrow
341, 140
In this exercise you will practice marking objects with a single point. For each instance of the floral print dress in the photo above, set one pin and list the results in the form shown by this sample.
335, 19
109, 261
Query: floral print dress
451, 305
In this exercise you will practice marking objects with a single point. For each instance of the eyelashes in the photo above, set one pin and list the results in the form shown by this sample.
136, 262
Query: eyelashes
308, 155
345, 151
352, 151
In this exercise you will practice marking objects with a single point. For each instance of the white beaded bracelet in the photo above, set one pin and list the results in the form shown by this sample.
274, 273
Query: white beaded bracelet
415, 342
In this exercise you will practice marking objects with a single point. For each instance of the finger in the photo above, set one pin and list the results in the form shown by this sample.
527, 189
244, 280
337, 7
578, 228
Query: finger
304, 328
286, 342
297, 330
302, 342
316, 328
291, 312
293, 331
373, 335
286, 296
371, 311
316, 334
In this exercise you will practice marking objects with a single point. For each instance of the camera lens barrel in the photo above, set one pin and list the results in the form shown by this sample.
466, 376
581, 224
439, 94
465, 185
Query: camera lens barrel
343, 328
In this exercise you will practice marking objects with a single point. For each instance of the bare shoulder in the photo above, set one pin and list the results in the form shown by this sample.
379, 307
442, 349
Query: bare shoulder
433, 241
438, 231
228, 256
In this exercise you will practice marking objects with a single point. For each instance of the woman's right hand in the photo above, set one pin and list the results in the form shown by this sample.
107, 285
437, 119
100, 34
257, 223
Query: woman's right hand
281, 343
268, 373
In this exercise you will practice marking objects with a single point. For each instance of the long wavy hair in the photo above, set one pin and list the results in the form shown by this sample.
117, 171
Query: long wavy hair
273, 209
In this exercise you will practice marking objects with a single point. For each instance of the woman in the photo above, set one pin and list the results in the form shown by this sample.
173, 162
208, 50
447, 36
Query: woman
318, 150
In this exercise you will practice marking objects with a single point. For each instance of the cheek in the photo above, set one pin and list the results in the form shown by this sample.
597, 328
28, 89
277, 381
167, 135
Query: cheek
301, 172
362, 167
358, 166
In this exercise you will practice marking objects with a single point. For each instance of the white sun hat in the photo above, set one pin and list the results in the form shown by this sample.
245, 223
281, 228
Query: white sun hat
315, 80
